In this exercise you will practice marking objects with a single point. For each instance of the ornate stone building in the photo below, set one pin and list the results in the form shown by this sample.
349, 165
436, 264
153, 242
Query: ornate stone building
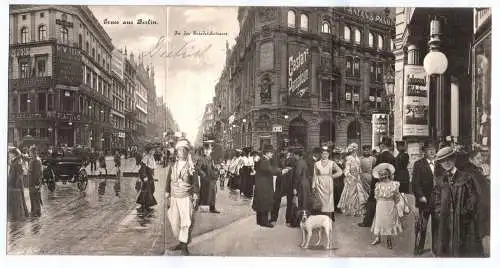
304, 76
59, 77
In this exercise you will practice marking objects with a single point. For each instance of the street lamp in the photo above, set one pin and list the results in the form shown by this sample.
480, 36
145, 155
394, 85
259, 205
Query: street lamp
389, 89
244, 120
285, 116
435, 62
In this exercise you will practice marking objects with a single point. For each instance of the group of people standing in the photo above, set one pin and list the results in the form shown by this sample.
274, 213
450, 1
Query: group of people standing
23, 167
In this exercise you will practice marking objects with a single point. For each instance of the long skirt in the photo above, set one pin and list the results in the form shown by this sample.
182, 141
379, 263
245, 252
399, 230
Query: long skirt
36, 201
386, 221
353, 199
145, 196
246, 182
16, 205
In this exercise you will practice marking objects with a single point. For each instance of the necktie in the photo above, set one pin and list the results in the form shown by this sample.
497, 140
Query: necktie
449, 174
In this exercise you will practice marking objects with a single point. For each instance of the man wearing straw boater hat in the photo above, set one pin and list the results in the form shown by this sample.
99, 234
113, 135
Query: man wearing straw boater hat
455, 201
181, 193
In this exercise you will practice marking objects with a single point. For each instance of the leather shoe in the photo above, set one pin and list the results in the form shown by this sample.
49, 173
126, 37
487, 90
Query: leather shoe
215, 211
179, 246
268, 225
376, 241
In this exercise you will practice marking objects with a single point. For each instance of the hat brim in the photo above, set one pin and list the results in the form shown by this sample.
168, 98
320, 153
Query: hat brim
380, 167
446, 156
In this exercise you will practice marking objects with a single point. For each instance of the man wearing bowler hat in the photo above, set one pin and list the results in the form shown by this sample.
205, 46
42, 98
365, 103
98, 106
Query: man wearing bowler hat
455, 202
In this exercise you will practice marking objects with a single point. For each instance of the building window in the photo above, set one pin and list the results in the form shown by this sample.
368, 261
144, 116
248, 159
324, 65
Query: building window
41, 102
14, 108
98, 58
352, 94
93, 53
23, 17
304, 22
24, 35
68, 101
87, 47
348, 93
43, 133
355, 94
64, 36
326, 90
348, 66
357, 36
373, 74
24, 103
42, 33
347, 34
325, 27
291, 18
94, 81
24, 68
80, 41
41, 63
380, 72
356, 67
380, 42
42, 14
371, 41
32, 132
50, 102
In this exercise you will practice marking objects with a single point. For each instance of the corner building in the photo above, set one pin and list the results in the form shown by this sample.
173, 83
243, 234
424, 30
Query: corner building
304, 76
59, 77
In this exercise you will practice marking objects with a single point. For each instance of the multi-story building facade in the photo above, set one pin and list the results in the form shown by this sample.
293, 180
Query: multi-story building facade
304, 76
160, 117
142, 90
59, 76
457, 102
129, 79
206, 129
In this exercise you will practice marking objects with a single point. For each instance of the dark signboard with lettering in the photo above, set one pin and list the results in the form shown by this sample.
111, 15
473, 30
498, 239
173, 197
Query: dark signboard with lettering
68, 65
299, 70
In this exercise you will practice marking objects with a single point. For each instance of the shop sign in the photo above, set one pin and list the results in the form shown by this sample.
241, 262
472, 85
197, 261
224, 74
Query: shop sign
20, 51
369, 16
277, 128
415, 102
380, 127
13, 116
299, 67
68, 65
67, 116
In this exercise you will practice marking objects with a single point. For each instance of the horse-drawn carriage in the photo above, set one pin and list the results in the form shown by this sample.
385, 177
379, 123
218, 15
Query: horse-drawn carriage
66, 165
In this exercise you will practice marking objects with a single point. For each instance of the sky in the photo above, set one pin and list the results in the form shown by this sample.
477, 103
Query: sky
187, 79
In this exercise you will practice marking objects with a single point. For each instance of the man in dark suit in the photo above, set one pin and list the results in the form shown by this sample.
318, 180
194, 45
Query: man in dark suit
302, 182
263, 197
424, 172
284, 187
385, 156
402, 175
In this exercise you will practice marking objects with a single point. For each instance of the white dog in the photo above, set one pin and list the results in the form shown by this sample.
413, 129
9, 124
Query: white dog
315, 222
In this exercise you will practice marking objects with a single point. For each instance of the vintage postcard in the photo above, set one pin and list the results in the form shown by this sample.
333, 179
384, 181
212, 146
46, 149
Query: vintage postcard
257, 131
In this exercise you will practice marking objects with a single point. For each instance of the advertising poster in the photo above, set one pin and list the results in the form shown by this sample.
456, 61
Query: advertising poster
299, 67
380, 127
415, 102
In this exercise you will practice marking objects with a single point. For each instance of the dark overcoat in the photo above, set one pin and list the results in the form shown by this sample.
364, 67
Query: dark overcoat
264, 191
208, 181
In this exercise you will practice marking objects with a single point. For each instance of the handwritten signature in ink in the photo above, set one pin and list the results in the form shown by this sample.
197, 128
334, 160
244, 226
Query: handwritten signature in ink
186, 50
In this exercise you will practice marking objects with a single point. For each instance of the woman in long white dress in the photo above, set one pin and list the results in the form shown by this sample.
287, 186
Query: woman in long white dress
353, 199
325, 171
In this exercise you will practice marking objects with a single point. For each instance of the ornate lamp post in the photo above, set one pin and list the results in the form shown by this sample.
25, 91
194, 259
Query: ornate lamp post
389, 90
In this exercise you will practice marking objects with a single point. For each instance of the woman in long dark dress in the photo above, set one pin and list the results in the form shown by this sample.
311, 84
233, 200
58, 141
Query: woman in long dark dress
145, 198
16, 203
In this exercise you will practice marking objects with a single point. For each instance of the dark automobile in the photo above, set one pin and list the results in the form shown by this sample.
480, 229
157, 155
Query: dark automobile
66, 165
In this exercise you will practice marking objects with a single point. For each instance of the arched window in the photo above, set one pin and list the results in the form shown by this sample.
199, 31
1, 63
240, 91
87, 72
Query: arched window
304, 22
325, 27
357, 36
347, 33
80, 41
64, 35
380, 42
24, 35
354, 132
291, 18
371, 40
42, 33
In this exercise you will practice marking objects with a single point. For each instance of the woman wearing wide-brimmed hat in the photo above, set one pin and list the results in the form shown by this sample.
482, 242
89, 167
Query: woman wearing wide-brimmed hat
386, 221
353, 199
